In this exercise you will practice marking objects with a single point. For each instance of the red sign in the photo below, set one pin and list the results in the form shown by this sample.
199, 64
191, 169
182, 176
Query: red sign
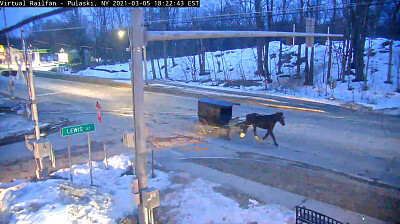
98, 111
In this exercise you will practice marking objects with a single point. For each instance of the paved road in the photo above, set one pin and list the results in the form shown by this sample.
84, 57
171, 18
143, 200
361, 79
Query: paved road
341, 156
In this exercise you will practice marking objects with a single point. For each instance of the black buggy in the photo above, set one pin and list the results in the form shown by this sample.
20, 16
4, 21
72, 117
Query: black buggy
215, 118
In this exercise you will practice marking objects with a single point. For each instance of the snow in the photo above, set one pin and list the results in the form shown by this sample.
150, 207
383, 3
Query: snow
199, 204
14, 125
60, 201
240, 64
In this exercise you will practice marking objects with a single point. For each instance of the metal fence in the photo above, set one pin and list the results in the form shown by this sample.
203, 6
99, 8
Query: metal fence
308, 216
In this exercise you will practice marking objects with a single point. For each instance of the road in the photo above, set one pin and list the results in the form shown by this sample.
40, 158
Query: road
344, 157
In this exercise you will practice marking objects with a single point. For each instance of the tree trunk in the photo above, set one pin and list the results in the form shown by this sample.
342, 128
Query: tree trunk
389, 77
159, 68
328, 76
165, 15
203, 59
194, 78
311, 75
345, 55
266, 74
153, 70
298, 61
306, 70
173, 54
266, 62
280, 59
260, 27
360, 19
349, 59
165, 59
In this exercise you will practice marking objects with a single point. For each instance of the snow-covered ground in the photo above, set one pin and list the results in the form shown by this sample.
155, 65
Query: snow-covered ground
189, 200
236, 69
11, 125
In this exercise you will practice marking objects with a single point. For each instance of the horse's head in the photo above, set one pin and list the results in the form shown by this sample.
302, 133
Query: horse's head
280, 118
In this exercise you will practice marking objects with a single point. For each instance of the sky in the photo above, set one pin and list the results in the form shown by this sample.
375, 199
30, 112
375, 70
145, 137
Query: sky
17, 14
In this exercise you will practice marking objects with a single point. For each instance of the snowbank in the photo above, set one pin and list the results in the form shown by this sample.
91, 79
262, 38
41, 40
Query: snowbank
61, 201
236, 69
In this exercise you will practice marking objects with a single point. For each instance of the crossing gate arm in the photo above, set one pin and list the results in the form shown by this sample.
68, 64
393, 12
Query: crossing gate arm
186, 35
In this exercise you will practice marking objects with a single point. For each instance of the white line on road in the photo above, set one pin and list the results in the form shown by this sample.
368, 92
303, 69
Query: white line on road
47, 94
176, 153
170, 95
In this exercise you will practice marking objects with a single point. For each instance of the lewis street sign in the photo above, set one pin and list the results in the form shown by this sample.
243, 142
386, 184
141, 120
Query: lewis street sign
77, 129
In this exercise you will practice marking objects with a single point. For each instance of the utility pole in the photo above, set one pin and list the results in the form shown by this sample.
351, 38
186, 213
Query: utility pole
145, 65
137, 43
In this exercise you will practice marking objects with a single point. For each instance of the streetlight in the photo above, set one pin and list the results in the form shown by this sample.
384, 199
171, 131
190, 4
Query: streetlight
121, 34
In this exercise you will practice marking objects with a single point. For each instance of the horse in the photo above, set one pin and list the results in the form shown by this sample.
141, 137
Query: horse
267, 122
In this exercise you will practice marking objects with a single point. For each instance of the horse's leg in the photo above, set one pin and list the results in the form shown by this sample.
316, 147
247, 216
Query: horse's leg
244, 130
266, 135
228, 133
255, 134
273, 137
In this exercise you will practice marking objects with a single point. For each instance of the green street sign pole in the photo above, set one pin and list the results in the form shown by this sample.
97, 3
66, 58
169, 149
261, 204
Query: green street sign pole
69, 160
90, 160
73, 130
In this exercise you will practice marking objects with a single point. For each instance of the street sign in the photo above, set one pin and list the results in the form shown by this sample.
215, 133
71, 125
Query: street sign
98, 111
77, 129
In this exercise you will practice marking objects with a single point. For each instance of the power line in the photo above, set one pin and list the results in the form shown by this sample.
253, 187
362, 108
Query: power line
201, 19
277, 12
247, 15
81, 46
59, 29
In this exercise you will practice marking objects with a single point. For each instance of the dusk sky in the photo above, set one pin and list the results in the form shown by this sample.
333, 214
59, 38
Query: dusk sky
16, 14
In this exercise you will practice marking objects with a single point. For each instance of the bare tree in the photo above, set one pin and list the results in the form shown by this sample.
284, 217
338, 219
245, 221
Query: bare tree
260, 26
164, 14
359, 34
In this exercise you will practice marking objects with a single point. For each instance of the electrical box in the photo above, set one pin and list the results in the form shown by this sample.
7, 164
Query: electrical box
151, 198
42, 148
129, 139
